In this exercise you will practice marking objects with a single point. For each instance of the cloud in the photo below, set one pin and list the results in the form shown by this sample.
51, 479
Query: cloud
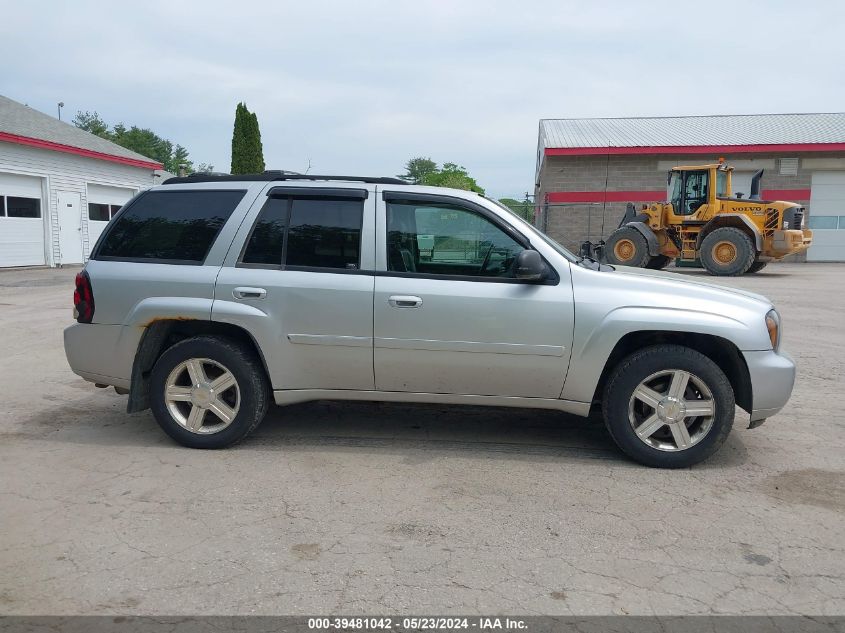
361, 87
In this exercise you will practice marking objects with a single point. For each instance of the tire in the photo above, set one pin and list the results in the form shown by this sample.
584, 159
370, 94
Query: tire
657, 367
727, 252
626, 246
175, 399
756, 267
659, 262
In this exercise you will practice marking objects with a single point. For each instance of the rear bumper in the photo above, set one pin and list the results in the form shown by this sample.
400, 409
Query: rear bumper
772, 378
102, 353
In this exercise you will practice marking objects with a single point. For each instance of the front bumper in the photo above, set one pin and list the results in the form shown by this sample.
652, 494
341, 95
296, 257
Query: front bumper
772, 377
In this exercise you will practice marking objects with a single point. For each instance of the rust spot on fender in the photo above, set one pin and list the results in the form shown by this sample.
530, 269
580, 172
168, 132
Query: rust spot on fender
171, 318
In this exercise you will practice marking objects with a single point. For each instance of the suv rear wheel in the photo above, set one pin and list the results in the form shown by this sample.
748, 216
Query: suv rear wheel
208, 392
668, 406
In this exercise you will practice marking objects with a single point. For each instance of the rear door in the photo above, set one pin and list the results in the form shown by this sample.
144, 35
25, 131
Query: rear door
449, 316
299, 276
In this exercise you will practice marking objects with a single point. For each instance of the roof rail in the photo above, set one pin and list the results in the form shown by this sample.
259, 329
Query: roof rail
271, 175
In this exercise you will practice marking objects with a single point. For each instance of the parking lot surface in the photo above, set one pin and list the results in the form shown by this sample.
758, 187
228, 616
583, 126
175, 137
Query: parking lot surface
384, 508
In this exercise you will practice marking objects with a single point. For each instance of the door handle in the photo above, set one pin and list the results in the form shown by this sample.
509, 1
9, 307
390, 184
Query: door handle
404, 301
249, 293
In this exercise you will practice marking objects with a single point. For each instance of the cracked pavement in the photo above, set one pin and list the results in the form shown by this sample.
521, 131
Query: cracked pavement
360, 508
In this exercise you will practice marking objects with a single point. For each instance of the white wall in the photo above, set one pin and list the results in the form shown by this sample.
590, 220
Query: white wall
68, 172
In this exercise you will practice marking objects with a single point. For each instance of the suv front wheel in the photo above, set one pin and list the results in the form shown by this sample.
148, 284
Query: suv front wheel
668, 406
208, 392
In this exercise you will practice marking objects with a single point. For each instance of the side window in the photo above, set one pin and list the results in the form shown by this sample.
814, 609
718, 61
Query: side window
695, 191
447, 239
325, 233
265, 242
169, 226
307, 232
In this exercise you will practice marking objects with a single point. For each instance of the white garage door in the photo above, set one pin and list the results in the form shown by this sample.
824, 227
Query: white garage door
827, 217
21, 221
103, 203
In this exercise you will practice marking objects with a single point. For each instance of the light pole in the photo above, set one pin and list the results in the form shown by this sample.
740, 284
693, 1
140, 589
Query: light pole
61, 105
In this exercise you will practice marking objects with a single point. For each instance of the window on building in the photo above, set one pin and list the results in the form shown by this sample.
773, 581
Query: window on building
826, 222
170, 226
100, 212
445, 239
17, 207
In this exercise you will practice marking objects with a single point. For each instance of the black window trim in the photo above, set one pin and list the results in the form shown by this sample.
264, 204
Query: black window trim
553, 278
319, 192
95, 252
330, 193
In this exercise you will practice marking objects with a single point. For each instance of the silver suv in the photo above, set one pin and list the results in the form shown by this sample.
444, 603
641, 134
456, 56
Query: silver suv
207, 297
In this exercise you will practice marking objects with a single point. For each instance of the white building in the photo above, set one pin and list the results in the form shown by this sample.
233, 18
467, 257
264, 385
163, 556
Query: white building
59, 186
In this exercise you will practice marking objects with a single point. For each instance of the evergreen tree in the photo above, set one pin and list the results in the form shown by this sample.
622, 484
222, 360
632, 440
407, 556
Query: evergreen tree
247, 151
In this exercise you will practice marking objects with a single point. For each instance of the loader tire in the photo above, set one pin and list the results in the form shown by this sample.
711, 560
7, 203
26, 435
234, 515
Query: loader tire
756, 267
626, 246
727, 252
658, 262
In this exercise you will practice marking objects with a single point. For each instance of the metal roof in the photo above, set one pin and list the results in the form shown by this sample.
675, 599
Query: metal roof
690, 131
19, 120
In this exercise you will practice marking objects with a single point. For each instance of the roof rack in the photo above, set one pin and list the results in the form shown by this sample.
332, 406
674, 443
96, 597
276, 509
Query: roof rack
269, 176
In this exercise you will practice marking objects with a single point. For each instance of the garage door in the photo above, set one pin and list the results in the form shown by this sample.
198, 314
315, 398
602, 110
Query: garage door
827, 217
103, 203
21, 221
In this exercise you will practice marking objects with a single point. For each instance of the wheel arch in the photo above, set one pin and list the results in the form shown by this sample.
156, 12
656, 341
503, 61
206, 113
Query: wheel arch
731, 220
720, 350
649, 235
161, 334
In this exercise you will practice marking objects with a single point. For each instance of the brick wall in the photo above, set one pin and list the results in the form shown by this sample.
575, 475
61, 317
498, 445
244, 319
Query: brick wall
571, 223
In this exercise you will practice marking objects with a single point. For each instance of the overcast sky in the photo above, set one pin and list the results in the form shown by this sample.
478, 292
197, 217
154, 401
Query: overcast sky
358, 87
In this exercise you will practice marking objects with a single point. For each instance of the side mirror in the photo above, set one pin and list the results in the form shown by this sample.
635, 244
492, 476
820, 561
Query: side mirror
529, 266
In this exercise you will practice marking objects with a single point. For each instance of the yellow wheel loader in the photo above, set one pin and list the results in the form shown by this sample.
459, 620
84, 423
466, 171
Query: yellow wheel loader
702, 220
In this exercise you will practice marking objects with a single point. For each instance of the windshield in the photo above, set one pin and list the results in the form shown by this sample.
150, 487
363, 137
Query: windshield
535, 231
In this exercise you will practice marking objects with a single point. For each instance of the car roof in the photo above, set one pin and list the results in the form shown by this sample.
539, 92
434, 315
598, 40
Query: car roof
269, 176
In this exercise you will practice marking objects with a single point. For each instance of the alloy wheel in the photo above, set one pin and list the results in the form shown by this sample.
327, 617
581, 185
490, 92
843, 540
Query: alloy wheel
671, 410
202, 395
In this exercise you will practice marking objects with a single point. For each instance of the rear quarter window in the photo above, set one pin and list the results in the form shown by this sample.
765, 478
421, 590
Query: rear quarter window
168, 226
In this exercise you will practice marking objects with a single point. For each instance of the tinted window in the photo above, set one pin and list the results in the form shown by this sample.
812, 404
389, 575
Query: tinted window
98, 212
325, 233
23, 207
448, 240
170, 225
265, 243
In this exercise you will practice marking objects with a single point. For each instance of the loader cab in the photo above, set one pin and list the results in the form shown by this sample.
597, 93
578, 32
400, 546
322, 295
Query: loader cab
690, 188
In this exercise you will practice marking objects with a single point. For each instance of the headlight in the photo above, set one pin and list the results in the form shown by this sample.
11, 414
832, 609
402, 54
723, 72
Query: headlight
773, 326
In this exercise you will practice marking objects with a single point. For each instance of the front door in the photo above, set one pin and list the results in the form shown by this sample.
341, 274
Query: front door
70, 227
449, 316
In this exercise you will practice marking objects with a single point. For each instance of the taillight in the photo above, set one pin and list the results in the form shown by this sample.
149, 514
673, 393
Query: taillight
83, 299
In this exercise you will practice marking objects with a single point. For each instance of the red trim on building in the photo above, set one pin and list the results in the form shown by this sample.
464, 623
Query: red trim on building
656, 196
696, 149
610, 196
786, 194
69, 149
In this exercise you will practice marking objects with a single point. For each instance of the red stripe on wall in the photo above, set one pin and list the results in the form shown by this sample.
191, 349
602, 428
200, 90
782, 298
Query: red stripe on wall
610, 196
696, 149
786, 194
78, 151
